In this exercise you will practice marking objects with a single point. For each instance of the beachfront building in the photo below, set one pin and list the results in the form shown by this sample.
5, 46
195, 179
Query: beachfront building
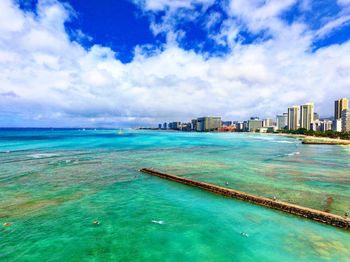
293, 118
282, 121
245, 126
326, 125
239, 126
306, 115
336, 125
340, 105
186, 126
165, 126
345, 120
254, 124
268, 122
316, 116
175, 125
316, 125
194, 123
206, 124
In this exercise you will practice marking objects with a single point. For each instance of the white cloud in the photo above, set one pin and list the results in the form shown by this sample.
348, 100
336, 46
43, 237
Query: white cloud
260, 14
333, 24
157, 5
343, 2
47, 77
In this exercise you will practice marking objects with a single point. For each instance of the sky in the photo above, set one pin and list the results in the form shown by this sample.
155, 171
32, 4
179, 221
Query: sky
128, 63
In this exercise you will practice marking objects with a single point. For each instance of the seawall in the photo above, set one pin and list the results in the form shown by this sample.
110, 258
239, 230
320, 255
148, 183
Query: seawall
325, 142
305, 212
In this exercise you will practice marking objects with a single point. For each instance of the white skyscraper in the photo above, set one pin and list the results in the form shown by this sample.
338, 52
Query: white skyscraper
282, 121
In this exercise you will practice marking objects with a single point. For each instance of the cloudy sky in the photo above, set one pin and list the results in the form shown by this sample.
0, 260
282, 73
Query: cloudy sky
139, 62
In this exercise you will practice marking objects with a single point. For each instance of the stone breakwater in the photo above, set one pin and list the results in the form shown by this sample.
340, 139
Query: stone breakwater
316, 141
305, 212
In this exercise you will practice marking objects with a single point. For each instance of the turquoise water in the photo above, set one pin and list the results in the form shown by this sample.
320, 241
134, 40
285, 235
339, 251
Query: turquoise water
55, 183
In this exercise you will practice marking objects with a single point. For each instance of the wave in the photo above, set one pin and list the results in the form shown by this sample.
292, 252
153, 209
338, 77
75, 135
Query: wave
284, 142
262, 138
6, 152
293, 154
42, 155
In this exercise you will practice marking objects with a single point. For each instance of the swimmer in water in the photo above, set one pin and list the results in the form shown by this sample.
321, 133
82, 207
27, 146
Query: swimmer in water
160, 222
96, 222
244, 234
226, 183
6, 224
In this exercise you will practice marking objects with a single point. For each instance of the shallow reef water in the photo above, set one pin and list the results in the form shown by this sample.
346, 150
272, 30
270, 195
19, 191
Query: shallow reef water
55, 185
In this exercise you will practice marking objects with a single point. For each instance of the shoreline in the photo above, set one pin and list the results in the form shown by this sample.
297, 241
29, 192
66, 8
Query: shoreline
305, 139
316, 140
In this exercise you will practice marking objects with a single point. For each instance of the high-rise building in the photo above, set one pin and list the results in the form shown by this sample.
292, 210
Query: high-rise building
160, 126
293, 118
316, 125
239, 126
326, 125
306, 115
186, 127
194, 123
282, 121
255, 125
345, 120
268, 122
336, 126
165, 126
175, 125
340, 105
205, 124
245, 126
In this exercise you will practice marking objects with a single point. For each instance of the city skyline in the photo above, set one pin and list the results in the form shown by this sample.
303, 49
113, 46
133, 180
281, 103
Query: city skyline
297, 117
137, 62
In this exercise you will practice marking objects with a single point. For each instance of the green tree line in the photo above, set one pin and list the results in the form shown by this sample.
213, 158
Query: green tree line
328, 133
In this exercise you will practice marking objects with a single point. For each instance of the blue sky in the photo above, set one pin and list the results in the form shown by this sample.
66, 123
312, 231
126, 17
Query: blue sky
140, 62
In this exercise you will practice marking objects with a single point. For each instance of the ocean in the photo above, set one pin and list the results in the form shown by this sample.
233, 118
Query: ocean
54, 183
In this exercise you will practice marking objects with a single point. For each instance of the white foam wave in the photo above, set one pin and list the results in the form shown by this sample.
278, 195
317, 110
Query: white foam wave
42, 155
261, 137
284, 142
293, 154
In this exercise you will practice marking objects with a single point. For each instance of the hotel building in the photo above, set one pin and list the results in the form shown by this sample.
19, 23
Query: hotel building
345, 120
282, 121
175, 125
306, 115
326, 125
339, 106
205, 124
254, 124
268, 122
293, 117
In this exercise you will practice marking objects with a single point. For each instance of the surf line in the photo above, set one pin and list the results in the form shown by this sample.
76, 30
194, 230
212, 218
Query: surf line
309, 213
